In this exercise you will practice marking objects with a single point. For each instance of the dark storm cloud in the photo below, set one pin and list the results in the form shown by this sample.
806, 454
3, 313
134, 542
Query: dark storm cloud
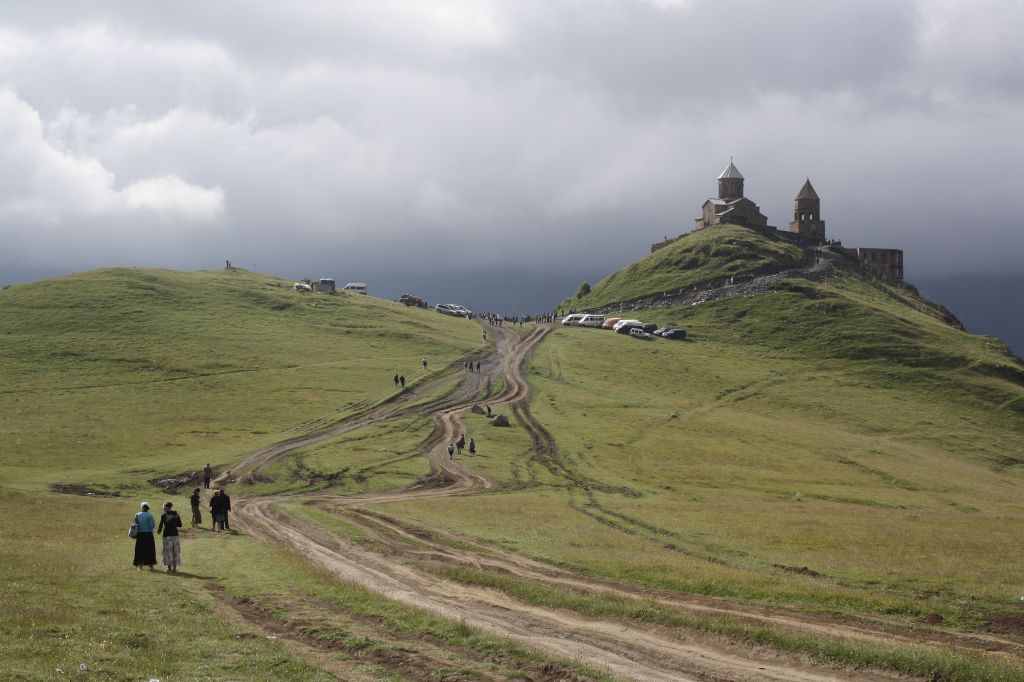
373, 138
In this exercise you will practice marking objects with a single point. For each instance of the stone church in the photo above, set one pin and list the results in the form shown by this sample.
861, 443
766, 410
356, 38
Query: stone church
807, 228
731, 207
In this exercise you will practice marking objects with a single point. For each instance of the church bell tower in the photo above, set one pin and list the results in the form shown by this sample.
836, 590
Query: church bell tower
807, 220
730, 183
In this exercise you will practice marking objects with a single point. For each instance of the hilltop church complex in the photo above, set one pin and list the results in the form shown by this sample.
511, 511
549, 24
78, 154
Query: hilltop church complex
730, 207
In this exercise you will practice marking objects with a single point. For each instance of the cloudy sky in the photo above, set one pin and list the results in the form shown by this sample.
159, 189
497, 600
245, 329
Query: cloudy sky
396, 142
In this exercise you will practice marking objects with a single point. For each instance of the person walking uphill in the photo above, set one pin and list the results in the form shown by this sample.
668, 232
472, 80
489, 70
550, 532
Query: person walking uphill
217, 510
207, 474
145, 547
170, 522
197, 516
226, 501
451, 451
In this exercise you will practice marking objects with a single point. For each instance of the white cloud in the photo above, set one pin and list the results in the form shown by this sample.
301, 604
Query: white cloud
45, 182
173, 198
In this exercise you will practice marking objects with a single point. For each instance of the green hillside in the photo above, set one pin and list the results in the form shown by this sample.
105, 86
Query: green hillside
144, 369
695, 258
116, 377
832, 445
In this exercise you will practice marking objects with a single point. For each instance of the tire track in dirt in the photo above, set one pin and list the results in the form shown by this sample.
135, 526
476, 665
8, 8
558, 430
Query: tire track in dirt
629, 650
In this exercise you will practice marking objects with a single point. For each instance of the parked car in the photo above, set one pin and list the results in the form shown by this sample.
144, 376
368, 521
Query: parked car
591, 321
660, 330
447, 309
649, 327
623, 326
302, 286
572, 320
610, 322
638, 333
677, 334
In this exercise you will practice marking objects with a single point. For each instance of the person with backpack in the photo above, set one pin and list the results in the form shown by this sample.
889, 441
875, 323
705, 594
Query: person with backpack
170, 522
451, 451
461, 443
145, 547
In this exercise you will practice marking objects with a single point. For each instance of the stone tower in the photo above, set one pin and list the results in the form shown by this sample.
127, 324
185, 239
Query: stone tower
807, 220
730, 183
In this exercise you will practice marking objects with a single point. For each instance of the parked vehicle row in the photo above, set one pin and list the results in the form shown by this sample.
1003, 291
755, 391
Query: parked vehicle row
635, 328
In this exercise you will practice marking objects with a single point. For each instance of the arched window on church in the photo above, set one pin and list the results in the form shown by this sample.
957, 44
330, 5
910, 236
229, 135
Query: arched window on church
810, 216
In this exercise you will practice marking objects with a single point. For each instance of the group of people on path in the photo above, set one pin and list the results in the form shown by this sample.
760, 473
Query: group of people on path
469, 365
144, 525
400, 380
460, 445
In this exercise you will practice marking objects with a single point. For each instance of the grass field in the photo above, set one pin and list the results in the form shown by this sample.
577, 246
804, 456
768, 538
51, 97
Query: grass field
830, 446
116, 376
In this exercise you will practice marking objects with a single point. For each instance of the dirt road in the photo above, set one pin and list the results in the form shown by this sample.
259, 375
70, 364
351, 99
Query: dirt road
628, 650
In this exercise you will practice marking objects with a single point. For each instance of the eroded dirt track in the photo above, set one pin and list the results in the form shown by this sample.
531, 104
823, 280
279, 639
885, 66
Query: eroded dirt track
626, 649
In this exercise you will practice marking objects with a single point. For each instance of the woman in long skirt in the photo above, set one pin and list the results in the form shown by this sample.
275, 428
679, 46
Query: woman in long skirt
197, 516
170, 522
145, 546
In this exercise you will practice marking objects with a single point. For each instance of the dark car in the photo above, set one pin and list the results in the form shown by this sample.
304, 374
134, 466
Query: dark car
649, 327
677, 334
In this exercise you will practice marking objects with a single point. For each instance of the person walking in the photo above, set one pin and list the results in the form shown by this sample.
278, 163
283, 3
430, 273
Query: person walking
145, 546
197, 516
396, 380
483, 333
451, 451
402, 379
217, 511
170, 522
472, 446
227, 508
207, 474
424, 361
478, 366
461, 443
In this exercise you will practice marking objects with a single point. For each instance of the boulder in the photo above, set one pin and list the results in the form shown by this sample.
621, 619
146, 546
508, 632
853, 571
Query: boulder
476, 409
500, 420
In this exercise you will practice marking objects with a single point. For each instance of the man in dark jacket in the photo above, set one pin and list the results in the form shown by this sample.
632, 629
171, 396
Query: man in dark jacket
226, 502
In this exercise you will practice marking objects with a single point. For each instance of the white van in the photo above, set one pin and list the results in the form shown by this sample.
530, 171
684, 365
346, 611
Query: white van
591, 321
355, 287
572, 320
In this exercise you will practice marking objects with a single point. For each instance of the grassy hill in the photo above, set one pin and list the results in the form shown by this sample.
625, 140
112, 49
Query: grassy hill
833, 445
117, 370
116, 377
697, 257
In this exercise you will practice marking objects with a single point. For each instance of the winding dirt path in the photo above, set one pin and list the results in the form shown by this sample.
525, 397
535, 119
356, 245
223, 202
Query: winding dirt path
627, 649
